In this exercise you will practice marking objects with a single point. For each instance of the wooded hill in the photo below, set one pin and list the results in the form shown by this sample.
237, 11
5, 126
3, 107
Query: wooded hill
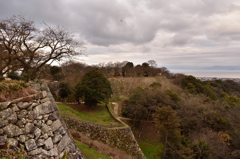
194, 119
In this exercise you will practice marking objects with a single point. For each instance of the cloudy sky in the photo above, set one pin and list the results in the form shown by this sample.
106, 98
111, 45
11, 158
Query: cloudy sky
176, 34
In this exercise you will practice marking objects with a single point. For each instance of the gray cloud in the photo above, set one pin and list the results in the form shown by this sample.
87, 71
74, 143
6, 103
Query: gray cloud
134, 29
104, 23
110, 22
180, 40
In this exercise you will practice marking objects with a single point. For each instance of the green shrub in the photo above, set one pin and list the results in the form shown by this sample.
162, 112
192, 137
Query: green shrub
71, 98
116, 99
13, 75
223, 124
9, 86
3, 87
2, 78
56, 72
23, 84
14, 87
195, 86
25, 77
208, 92
155, 84
201, 149
65, 90
231, 100
174, 96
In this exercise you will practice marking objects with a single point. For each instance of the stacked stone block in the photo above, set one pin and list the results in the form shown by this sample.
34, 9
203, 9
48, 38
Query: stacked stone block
119, 137
32, 124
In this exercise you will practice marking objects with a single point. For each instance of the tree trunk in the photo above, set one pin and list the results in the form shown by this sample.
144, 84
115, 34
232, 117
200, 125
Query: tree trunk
139, 135
165, 145
25, 73
1, 74
33, 75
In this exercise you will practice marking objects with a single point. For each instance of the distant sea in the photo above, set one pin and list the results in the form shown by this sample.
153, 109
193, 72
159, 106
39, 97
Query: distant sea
210, 73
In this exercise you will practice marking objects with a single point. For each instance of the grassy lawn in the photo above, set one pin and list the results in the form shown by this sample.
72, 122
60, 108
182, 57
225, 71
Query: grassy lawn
89, 153
151, 150
97, 114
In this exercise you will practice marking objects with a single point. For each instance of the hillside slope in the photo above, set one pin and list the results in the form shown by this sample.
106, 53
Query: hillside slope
206, 112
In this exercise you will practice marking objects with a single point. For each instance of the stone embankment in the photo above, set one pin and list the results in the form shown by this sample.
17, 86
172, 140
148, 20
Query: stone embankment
116, 136
33, 124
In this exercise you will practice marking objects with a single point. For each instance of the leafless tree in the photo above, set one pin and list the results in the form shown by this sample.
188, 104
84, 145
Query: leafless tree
73, 71
32, 48
6, 61
117, 69
152, 63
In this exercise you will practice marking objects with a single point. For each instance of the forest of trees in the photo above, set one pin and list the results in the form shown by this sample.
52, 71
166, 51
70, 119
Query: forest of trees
195, 119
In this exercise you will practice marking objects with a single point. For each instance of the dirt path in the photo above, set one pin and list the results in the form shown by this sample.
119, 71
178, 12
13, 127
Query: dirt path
115, 110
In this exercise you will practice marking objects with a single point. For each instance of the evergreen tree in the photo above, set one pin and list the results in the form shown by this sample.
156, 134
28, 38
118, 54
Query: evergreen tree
93, 88
168, 124
65, 90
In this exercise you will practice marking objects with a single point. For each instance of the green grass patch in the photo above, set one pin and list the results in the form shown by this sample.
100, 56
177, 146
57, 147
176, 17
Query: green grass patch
151, 150
89, 153
116, 99
99, 115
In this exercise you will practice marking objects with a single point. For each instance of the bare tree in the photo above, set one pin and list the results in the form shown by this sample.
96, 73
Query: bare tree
74, 71
117, 69
4, 61
32, 47
152, 63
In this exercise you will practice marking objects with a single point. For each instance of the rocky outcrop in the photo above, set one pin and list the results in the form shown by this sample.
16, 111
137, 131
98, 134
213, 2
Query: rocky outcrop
34, 124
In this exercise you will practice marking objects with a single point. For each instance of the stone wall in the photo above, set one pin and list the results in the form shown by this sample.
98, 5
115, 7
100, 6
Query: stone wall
119, 137
34, 124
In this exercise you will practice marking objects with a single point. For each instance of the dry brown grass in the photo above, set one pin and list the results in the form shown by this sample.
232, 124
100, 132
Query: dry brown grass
125, 86
12, 89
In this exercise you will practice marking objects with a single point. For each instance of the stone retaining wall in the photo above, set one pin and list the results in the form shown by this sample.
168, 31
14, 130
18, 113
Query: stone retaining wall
95, 124
120, 137
34, 124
